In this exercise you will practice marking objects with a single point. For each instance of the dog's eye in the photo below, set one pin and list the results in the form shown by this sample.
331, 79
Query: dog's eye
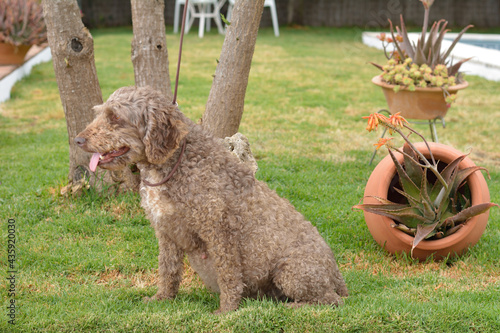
114, 117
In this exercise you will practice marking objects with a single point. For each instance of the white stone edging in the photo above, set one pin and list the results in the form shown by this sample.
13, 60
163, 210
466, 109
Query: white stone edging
9, 80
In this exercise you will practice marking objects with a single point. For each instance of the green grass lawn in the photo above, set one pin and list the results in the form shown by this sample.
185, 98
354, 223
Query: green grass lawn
85, 264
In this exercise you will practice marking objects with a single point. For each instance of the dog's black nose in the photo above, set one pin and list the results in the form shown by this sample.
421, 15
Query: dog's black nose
79, 141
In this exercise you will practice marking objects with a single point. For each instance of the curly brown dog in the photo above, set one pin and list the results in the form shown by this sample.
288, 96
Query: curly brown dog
240, 237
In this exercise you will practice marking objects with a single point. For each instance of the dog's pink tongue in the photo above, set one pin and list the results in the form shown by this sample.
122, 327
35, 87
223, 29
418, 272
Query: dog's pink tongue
94, 161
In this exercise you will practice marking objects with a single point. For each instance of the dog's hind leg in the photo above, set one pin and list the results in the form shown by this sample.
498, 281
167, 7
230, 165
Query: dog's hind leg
309, 281
170, 269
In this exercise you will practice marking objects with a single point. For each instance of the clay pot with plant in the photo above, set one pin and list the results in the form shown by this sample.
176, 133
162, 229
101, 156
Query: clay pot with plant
21, 26
418, 80
424, 199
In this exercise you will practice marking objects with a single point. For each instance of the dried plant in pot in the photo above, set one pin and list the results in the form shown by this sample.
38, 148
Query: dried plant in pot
418, 80
425, 199
21, 26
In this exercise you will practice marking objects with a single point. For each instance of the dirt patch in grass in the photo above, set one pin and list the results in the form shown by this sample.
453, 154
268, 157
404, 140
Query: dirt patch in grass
113, 278
458, 276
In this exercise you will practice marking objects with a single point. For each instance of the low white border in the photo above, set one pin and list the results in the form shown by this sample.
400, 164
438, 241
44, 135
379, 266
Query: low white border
484, 63
8, 81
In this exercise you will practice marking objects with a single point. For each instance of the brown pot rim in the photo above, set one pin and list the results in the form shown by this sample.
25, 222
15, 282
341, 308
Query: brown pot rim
11, 54
380, 82
378, 185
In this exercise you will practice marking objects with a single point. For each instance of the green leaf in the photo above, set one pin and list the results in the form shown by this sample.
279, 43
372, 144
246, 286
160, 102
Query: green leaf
427, 204
442, 209
453, 70
383, 200
428, 46
395, 41
462, 176
224, 19
466, 214
423, 230
408, 185
445, 201
405, 214
420, 58
446, 174
466, 202
377, 65
436, 43
414, 170
451, 168
436, 189
412, 201
448, 52
406, 44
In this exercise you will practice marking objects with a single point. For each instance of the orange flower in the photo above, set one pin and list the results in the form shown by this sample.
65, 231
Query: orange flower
382, 142
372, 123
396, 56
397, 120
374, 119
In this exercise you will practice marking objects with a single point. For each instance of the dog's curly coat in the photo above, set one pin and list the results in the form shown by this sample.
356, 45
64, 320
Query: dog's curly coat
240, 237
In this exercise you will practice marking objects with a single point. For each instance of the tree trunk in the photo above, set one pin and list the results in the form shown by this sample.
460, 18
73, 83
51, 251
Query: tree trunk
226, 100
72, 50
149, 46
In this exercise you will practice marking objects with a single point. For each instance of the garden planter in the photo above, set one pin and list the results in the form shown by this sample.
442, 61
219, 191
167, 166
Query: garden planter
13, 55
396, 241
423, 103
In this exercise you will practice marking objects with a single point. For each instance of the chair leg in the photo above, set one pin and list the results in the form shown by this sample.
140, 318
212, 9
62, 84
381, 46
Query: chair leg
189, 21
208, 9
189, 18
274, 16
201, 29
432, 125
176, 16
218, 22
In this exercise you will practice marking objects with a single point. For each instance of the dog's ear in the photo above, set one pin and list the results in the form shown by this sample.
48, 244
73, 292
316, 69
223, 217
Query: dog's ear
164, 132
98, 109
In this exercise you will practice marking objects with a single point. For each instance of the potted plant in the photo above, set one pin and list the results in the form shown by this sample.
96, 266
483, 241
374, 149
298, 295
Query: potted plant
425, 198
21, 26
418, 79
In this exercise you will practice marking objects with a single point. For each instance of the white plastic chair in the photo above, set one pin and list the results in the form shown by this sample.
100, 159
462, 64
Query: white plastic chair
204, 10
267, 3
177, 14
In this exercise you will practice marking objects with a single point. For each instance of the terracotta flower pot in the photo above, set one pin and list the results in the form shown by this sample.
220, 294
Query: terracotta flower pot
396, 241
13, 55
423, 103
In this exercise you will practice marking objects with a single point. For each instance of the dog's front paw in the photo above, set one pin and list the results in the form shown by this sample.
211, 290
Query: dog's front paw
225, 309
220, 311
157, 297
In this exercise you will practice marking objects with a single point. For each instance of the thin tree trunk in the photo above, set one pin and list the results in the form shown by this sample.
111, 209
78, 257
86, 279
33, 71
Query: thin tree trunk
149, 45
225, 104
72, 50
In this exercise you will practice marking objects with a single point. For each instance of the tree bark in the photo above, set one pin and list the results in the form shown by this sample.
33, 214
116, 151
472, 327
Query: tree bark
225, 104
72, 50
149, 46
